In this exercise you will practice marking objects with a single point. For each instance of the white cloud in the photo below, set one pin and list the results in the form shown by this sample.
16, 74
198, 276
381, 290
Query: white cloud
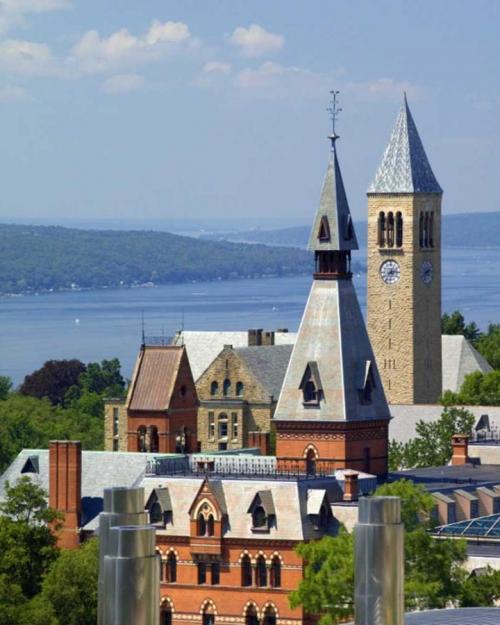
382, 89
12, 93
256, 41
122, 83
13, 12
273, 80
94, 53
26, 57
216, 67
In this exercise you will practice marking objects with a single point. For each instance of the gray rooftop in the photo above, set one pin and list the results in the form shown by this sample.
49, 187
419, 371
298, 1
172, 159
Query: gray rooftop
454, 616
405, 167
451, 477
460, 359
268, 364
334, 211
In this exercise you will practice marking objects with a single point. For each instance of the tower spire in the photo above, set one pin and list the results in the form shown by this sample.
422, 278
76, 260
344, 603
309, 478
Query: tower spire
334, 111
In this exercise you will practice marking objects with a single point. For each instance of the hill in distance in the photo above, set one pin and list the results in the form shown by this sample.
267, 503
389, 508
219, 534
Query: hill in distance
460, 230
45, 258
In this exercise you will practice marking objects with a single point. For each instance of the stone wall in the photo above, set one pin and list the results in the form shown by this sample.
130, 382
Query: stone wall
115, 438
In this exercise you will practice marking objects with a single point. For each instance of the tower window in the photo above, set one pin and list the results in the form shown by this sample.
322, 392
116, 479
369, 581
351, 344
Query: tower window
275, 572
399, 229
381, 229
214, 388
239, 389
226, 389
261, 572
324, 229
431, 229
246, 571
390, 229
310, 393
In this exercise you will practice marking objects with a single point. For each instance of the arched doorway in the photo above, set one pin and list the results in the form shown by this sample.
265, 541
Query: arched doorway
311, 458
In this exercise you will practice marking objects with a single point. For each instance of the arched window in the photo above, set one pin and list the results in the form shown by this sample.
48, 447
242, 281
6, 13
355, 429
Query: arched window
390, 229
310, 392
171, 568
153, 439
381, 229
431, 229
276, 572
261, 572
226, 389
246, 571
421, 229
239, 389
269, 616
324, 229
202, 525
214, 388
311, 462
426, 229
166, 615
141, 438
210, 525
399, 229
156, 513
251, 617
259, 517
208, 615
161, 566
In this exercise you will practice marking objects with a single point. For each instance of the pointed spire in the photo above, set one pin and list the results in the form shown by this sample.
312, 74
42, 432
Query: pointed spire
405, 167
333, 229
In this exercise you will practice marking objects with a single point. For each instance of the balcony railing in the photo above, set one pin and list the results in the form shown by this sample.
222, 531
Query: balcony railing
489, 436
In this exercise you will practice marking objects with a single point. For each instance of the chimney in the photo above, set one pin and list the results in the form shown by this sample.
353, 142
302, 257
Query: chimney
350, 485
254, 337
260, 440
379, 562
460, 449
65, 489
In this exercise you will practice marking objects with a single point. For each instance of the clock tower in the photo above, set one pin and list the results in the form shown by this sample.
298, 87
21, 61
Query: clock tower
404, 268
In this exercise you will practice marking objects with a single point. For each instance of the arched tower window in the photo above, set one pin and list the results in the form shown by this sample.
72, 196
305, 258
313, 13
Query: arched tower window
261, 572
141, 438
239, 388
426, 229
226, 389
381, 229
210, 525
201, 525
153, 439
399, 229
324, 229
390, 229
214, 388
269, 616
276, 572
251, 617
431, 229
171, 568
311, 462
166, 615
246, 571
208, 615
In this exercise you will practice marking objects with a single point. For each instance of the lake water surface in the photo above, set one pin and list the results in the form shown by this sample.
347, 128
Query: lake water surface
92, 325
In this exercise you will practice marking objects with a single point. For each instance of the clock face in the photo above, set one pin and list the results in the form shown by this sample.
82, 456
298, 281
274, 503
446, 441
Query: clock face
390, 272
426, 272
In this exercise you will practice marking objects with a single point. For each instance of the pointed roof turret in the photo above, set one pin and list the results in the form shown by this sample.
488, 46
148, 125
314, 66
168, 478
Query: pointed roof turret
405, 167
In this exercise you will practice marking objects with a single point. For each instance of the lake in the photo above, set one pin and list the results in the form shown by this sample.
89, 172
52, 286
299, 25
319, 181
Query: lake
92, 325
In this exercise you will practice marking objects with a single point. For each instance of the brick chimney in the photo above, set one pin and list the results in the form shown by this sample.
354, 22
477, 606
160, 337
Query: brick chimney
65, 488
350, 485
260, 440
460, 449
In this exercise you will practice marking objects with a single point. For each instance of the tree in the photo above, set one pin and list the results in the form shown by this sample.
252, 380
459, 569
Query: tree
480, 389
103, 378
70, 586
27, 542
5, 386
488, 345
481, 589
454, 323
432, 446
53, 380
327, 587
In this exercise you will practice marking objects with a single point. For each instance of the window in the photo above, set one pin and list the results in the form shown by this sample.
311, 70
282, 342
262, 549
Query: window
239, 389
381, 229
210, 525
183, 390
202, 573
261, 572
211, 425
115, 444
366, 459
141, 439
208, 616
161, 566
246, 571
202, 525
223, 425
214, 388
324, 229
171, 568
269, 616
421, 229
215, 573
166, 616
222, 446
226, 389
153, 439
310, 393
116, 421
234, 425
311, 462
390, 229
259, 517
156, 513
399, 229
323, 517
251, 617
431, 230
276, 572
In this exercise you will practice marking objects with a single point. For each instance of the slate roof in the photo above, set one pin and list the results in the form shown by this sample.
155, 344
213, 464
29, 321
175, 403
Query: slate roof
203, 347
334, 208
268, 364
459, 359
333, 334
449, 478
405, 167
454, 616
154, 377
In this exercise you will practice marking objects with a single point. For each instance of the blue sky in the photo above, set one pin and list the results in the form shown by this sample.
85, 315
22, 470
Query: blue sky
163, 110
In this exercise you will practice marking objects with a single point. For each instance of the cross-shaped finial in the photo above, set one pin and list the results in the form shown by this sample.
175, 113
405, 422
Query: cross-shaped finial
334, 111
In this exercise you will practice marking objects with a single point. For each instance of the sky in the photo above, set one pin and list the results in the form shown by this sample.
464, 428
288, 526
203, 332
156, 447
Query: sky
214, 112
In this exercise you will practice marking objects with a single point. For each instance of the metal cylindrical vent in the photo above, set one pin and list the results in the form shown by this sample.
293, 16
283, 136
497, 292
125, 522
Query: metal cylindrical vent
131, 577
122, 506
379, 562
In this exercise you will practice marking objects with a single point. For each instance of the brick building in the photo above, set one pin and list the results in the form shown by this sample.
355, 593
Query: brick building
238, 394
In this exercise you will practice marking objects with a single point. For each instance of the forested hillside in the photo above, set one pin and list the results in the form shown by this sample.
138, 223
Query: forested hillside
37, 258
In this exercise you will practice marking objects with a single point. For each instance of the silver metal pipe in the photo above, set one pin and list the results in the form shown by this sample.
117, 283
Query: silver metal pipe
379, 562
121, 506
132, 577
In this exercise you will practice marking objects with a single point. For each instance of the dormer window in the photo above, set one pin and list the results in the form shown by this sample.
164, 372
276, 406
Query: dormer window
205, 521
324, 230
159, 507
259, 518
318, 508
349, 229
365, 382
311, 386
262, 511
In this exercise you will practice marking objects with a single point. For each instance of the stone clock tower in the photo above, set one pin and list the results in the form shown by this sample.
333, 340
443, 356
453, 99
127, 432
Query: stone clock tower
404, 268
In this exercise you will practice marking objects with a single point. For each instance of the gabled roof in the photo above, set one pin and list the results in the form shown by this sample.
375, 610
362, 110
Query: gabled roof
333, 218
332, 334
155, 376
265, 498
267, 363
162, 496
315, 499
460, 359
405, 167
210, 487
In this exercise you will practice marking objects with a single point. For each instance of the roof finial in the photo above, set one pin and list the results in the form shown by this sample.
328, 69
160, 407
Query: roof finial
334, 111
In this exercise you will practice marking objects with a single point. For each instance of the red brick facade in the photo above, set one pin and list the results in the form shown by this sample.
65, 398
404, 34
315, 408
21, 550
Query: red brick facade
65, 488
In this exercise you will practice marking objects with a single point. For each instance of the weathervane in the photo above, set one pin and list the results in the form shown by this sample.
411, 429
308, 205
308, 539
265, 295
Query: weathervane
334, 111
